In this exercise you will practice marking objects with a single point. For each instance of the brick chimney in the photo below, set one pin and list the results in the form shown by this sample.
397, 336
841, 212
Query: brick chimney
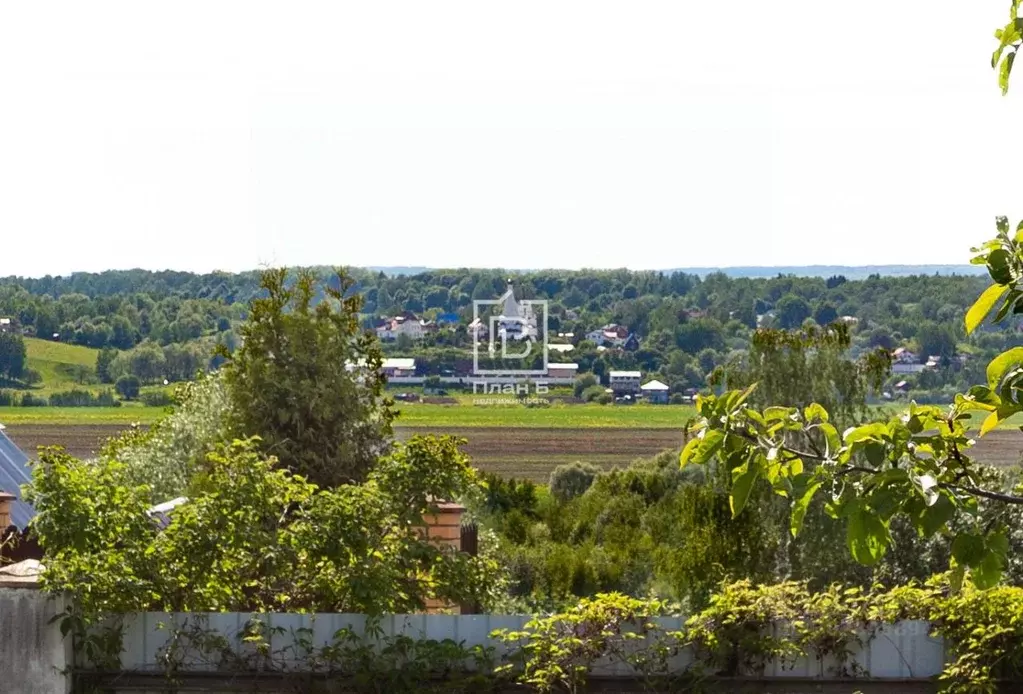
5, 510
444, 528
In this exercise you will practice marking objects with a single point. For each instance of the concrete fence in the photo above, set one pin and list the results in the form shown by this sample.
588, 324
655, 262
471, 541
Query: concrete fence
902, 651
36, 659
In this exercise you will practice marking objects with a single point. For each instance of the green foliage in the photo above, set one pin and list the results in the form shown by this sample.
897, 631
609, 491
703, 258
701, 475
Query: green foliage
734, 635
307, 380
1009, 38
83, 398
810, 365
366, 660
12, 355
559, 652
164, 456
128, 387
569, 481
254, 537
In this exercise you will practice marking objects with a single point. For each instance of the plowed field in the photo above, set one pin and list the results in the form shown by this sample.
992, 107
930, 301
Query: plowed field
517, 452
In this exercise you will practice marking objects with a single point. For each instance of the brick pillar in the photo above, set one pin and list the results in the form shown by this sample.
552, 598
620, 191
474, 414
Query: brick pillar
444, 528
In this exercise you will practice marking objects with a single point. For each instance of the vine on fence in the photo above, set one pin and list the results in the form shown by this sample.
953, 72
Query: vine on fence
367, 660
744, 628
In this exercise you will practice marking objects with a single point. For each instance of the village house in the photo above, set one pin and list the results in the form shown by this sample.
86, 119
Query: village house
624, 382
901, 355
398, 367
655, 392
558, 371
611, 335
7, 324
906, 362
408, 323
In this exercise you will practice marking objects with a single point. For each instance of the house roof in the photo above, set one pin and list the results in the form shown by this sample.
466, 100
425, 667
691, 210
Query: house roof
399, 363
558, 347
14, 472
569, 367
625, 374
654, 385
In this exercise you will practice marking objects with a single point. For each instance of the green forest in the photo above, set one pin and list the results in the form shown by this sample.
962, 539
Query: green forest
155, 327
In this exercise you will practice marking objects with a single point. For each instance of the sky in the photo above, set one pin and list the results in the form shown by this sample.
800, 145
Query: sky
236, 135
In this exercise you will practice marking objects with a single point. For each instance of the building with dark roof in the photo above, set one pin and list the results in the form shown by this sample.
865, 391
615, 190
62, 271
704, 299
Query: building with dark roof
14, 472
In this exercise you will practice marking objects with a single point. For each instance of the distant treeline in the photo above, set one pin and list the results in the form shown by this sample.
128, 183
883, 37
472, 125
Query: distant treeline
688, 324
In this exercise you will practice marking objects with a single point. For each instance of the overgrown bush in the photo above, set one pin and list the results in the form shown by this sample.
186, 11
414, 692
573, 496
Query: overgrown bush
254, 537
748, 626
572, 480
83, 398
157, 398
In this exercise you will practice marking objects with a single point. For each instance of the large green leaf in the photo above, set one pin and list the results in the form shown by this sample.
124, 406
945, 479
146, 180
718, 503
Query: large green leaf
988, 571
831, 436
1004, 72
800, 504
700, 450
934, 517
1001, 364
866, 536
968, 549
983, 305
743, 478
866, 432
999, 266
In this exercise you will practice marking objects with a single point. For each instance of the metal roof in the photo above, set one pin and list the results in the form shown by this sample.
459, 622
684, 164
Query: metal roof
14, 472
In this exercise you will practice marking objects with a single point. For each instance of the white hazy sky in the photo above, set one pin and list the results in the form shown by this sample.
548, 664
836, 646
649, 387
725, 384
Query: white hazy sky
230, 135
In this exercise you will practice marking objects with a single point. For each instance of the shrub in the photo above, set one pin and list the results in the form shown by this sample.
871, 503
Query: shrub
570, 481
128, 387
583, 383
157, 398
29, 400
82, 398
592, 393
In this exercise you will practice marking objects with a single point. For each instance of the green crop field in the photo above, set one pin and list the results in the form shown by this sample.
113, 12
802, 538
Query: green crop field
424, 416
556, 417
74, 416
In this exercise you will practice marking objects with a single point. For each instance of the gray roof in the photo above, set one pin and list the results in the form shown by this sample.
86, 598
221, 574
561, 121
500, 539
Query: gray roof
14, 472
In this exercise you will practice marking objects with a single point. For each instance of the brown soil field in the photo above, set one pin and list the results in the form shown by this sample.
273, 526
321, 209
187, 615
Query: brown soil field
513, 452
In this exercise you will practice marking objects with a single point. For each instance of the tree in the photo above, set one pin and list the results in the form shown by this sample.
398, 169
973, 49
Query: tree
13, 355
307, 380
147, 362
570, 481
825, 313
936, 339
128, 387
791, 311
254, 537
797, 368
104, 360
123, 335
914, 467
582, 383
